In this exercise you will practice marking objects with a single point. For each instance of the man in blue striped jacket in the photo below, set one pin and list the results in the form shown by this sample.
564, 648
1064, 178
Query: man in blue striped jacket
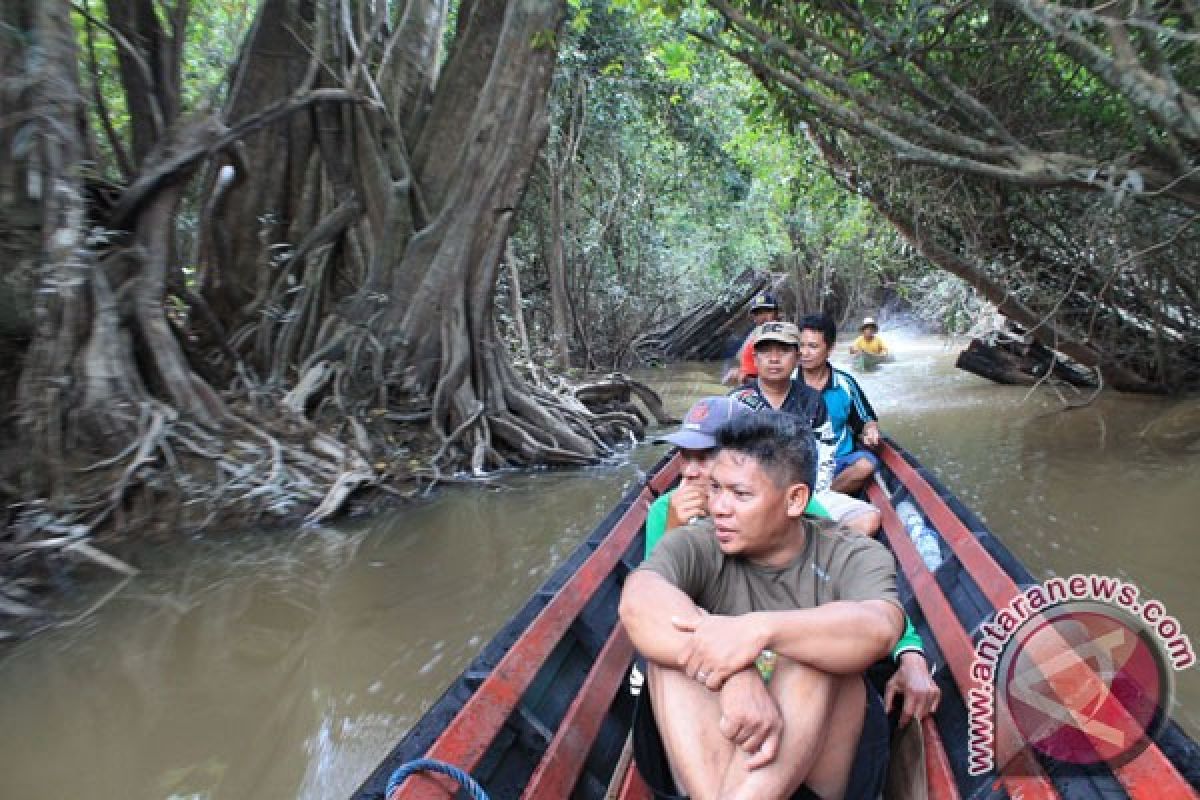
850, 413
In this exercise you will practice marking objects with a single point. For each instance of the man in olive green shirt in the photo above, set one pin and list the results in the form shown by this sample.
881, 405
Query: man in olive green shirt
756, 580
696, 439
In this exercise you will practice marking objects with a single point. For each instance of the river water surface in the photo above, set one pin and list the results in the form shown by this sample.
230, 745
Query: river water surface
286, 664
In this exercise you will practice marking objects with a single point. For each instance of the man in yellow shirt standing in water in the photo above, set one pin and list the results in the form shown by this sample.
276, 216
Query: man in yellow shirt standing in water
869, 340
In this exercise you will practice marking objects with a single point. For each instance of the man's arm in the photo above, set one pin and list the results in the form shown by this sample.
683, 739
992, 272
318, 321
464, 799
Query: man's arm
743, 362
648, 604
863, 420
657, 521
749, 716
840, 638
913, 681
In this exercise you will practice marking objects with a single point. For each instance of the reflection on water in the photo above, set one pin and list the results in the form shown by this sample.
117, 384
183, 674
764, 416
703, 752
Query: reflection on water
287, 665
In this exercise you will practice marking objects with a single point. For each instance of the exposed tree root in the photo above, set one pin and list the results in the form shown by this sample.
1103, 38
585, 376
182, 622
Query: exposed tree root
271, 460
617, 390
356, 271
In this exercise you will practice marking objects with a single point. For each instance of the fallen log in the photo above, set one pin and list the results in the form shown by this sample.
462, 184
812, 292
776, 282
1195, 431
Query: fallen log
702, 333
1013, 361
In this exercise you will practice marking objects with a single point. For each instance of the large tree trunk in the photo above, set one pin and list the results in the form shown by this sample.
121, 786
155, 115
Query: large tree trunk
106, 338
105, 365
556, 272
51, 177
340, 278
344, 285
560, 166
250, 216
451, 349
409, 72
382, 286
21, 178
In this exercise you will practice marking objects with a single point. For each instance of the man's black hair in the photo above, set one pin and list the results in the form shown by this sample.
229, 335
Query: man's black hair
783, 445
822, 324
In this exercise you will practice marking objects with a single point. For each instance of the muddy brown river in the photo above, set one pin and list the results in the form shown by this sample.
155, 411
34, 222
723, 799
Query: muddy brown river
285, 664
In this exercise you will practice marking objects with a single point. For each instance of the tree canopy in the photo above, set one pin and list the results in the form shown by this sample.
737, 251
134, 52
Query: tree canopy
1046, 153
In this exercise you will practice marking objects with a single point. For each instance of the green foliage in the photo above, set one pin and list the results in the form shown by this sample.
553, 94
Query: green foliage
946, 303
544, 40
698, 166
213, 36
1034, 149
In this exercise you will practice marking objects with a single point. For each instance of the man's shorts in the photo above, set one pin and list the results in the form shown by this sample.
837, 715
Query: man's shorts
866, 775
842, 507
841, 462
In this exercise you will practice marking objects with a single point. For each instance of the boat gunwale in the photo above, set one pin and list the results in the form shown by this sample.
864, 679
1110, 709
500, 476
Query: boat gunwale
598, 548
1151, 774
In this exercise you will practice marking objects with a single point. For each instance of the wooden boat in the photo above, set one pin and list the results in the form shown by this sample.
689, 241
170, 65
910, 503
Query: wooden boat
544, 710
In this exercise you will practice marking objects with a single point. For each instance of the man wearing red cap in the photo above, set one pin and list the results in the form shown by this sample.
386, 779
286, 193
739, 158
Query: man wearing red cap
764, 308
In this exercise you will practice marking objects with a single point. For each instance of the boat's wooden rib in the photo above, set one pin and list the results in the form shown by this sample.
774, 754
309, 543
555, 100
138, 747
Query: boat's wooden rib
664, 477
542, 714
560, 768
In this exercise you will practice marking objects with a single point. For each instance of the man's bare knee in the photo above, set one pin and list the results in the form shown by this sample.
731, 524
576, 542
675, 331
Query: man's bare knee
852, 478
805, 696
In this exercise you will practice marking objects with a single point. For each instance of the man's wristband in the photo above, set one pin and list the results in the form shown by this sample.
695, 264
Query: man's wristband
909, 640
912, 648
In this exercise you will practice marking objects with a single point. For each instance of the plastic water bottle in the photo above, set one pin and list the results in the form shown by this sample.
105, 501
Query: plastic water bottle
925, 540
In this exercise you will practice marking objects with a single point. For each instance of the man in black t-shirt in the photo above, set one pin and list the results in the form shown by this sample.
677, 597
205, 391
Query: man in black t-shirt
776, 352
